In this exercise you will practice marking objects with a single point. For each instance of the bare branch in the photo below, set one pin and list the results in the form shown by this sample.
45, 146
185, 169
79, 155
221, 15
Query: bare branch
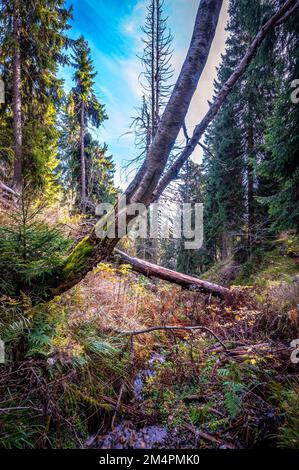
7, 189
171, 328
282, 14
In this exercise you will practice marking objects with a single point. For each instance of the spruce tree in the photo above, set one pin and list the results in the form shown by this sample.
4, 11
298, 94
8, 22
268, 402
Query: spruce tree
87, 108
33, 41
99, 167
282, 137
235, 222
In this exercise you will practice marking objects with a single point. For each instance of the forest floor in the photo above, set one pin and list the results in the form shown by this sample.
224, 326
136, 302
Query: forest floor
98, 386
188, 390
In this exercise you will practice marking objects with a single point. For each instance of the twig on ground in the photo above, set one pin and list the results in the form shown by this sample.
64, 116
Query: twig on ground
209, 437
117, 406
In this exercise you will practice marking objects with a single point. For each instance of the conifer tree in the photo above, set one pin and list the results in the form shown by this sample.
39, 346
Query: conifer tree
156, 75
235, 220
87, 108
32, 48
99, 167
282, 136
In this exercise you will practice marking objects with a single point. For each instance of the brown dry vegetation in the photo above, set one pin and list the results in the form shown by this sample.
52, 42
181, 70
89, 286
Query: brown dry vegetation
73, 379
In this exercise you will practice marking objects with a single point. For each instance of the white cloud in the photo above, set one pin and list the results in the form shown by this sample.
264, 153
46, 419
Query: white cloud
129, 27
199, 105
118, 81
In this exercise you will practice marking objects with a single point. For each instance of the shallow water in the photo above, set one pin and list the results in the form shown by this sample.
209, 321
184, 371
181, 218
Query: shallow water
155, 360
128, 435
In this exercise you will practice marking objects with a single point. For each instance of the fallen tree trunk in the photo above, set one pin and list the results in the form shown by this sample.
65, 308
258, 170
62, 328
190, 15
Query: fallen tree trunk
184, 280
149, 183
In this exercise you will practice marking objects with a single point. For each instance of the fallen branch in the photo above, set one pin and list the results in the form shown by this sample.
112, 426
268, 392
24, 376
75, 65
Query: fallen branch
7, 189
209, 437
118, 405
170, 328
184, 280
19, 408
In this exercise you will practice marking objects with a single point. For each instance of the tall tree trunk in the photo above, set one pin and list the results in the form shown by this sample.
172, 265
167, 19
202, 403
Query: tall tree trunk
153, 97
82, 158
250, 189
157, 68
17, 100
91, 250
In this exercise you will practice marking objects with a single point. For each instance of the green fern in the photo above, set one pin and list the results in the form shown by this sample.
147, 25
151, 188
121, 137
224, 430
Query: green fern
288, 400
232, 399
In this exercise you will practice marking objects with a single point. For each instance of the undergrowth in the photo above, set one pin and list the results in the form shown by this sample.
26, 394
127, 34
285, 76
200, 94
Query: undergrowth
70, 372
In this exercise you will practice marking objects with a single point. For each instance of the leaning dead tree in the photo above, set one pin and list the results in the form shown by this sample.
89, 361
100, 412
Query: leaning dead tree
150, 180
154, 79
157, 71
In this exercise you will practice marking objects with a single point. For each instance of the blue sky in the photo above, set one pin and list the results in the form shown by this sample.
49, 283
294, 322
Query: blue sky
112, 28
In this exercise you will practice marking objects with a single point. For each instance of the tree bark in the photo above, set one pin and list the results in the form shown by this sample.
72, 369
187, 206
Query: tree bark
82, 158
184, 280
157, 68
283, 13
144, 188
250, 189
17, 100
153, 67
146, 180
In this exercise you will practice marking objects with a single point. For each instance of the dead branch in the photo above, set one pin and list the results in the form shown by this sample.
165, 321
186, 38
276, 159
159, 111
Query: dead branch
7, 189
209, 437
170, 328
281, 15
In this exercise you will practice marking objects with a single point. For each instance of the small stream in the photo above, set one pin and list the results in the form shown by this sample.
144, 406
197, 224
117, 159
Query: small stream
127, 434
155, 360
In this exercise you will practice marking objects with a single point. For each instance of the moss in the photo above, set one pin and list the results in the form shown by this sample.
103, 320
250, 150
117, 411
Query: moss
278, 265
286, 399
77, 259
